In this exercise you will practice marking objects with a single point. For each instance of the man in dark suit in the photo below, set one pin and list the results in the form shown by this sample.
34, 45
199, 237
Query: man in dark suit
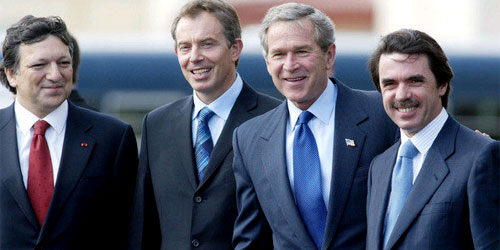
67, 173
302, 182
438, 187
185, 195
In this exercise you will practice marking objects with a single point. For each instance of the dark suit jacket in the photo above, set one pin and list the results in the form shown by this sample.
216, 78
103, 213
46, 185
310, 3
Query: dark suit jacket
264, 196
171, 207
90, 206
454, 202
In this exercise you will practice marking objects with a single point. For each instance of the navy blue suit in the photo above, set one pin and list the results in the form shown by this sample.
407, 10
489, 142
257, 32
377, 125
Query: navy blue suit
454, 202
91, 203
268, 216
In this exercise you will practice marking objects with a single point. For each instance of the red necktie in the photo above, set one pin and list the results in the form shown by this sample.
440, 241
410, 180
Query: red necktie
40, 178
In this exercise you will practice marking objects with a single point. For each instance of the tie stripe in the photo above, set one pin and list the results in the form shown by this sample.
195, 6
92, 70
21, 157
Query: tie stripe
204, 143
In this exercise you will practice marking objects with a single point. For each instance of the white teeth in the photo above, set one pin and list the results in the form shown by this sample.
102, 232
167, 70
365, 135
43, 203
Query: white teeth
294, 79
406, 109
200, 71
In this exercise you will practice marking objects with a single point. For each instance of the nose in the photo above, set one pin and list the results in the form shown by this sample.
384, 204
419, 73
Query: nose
196, 55
290, 63
54, 73
403, 92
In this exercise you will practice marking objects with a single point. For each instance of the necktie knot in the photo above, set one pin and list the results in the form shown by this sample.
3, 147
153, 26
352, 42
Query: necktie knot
40, 127
304, 117
205, 114
409, 150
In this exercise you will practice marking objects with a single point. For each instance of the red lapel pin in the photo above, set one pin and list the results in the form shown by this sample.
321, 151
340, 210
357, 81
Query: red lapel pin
84, 144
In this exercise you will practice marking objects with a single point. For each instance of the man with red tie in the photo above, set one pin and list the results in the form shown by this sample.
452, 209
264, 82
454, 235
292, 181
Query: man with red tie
67, 174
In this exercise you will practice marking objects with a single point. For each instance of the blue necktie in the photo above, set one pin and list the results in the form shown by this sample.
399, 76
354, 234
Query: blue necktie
204, 144
402, 179
307, 180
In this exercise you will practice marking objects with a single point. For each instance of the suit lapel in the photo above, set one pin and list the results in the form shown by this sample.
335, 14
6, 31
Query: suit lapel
380, 192
184, 139
246, 101
274, 163
74, 160
434, 171
348, 116
10, 169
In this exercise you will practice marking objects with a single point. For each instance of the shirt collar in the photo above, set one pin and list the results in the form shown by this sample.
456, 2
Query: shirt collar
25, 119
424, 138
322, 108
221, 106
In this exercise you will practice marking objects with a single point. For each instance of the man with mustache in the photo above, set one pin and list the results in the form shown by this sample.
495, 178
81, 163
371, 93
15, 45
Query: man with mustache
438, 187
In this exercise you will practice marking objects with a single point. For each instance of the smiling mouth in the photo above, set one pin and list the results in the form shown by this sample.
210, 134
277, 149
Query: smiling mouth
200, 71
406, 110
296, 79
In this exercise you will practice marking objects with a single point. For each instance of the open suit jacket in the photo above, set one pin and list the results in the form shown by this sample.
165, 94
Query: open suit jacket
92, 197
171, 208
264, 197
454, 202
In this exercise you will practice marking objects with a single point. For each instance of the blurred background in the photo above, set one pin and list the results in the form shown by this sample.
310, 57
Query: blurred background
128, 66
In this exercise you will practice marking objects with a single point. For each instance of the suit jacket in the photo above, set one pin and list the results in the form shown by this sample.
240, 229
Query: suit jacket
454, 202
171, 208
264, 197
92, 197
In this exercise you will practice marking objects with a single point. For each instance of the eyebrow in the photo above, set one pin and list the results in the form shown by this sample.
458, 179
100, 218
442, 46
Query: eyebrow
417, 77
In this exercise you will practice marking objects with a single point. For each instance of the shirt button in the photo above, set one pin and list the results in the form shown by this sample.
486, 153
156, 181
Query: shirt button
195, 243
198, 199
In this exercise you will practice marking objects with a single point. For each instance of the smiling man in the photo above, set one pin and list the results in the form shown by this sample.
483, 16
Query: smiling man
185, 194
67, 173
438, 187
301, 169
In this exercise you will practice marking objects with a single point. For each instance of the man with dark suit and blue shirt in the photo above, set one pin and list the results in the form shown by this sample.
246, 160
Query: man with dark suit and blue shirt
438, 187
301, 169
67, 174
185, 194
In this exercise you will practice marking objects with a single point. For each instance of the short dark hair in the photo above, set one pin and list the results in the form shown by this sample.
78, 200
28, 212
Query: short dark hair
223, 11
75, 58
408, 41
29, 30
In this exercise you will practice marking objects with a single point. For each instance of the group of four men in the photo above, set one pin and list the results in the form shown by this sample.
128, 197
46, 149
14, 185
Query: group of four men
302, 174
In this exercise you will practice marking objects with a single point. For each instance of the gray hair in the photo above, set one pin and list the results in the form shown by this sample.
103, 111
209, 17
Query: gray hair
324, 28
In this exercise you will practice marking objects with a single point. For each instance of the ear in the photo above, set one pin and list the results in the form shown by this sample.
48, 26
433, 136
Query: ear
442, 89
11, 77
236, 49
330, 57
175, 50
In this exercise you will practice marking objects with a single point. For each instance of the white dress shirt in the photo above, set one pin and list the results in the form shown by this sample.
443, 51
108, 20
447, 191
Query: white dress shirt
423, 140
322, 126
54, 136
221, 107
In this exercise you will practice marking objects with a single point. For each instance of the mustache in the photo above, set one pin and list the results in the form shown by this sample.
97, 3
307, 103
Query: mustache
405, 104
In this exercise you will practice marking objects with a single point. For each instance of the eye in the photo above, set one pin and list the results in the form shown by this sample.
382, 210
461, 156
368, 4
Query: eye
208, 44
37, 66
65, 64
183, 47
388, 84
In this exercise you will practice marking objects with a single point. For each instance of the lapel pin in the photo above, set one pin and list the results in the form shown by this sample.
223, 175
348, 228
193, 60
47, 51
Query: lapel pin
84, 144
350, 143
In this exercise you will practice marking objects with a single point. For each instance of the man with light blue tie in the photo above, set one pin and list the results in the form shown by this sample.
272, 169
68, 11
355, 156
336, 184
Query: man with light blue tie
301, 169
438, 187
185, 195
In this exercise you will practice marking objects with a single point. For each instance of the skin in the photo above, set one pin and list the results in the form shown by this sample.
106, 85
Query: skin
44, 78
298, 66
409, 90
206, 61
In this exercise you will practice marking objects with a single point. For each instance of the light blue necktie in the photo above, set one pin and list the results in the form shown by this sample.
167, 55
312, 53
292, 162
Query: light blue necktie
402, 178
307, 180
204, 144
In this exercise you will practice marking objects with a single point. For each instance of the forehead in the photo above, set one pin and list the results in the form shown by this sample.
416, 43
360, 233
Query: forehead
200, 26
398, 63
291, 34
49, 48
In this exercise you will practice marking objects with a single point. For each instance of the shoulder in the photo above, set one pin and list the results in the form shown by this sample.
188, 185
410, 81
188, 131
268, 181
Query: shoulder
167, 110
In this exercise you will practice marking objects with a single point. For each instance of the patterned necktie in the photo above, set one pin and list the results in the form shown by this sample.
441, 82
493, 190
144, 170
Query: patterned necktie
40, 177
204, 144
402, 179
307, 180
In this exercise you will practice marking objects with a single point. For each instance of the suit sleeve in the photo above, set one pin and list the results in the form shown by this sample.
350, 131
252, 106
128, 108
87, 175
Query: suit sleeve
251, 229
125, 170
483, 191
145, 228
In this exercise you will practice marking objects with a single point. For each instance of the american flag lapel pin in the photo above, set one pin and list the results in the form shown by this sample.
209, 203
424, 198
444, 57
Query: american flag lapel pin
350, 143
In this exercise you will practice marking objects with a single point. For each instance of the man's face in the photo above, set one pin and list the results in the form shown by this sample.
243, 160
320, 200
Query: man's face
297, 64
44, 76
409, 90
206, 61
